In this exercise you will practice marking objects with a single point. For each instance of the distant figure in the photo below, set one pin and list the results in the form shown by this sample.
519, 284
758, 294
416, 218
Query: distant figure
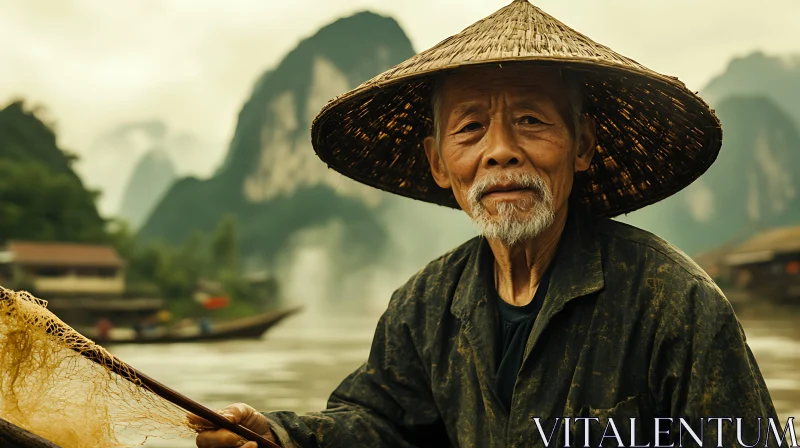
205, 325
186, 322
138, 329
164, 316
103, 329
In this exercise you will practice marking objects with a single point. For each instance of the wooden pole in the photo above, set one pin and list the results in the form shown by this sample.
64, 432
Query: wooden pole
12, 436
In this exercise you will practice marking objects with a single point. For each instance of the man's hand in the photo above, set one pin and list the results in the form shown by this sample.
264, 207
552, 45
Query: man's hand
240, 414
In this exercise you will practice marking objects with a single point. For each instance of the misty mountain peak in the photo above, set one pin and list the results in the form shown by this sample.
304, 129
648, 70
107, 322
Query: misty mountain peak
271, 153
151, 178
286, 147
771, 76
271, 180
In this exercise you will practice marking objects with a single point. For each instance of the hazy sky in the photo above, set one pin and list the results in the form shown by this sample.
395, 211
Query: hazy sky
97, 63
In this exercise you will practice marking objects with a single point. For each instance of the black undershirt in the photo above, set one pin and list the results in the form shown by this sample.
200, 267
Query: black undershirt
516, 323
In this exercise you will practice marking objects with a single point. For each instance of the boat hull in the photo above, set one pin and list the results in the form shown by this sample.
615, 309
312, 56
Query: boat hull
247, 328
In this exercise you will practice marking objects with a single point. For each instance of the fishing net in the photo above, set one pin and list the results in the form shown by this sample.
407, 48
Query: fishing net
63, 387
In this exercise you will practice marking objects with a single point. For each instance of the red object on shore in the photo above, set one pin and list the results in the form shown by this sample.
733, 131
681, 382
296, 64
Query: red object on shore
215, 303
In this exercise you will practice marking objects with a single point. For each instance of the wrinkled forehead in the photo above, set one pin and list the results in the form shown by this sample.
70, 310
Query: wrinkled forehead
524, 83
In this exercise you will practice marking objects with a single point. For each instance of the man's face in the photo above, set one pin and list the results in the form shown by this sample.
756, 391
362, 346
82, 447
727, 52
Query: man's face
509, 147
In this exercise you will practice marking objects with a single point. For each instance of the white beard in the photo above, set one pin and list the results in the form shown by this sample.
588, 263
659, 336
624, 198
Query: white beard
515, 221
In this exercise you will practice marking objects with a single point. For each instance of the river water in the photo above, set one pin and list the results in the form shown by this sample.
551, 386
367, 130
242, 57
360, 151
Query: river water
297, 365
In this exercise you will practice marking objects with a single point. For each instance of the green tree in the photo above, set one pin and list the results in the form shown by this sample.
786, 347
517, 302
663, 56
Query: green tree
42, 205
121, 237
172, 271
193, 258
25, 138
224, 248
158, 263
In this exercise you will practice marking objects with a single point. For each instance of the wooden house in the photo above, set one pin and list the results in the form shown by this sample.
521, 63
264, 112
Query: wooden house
768, 265
81, 282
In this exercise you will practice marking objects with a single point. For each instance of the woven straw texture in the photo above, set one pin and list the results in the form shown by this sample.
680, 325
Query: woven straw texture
654, 136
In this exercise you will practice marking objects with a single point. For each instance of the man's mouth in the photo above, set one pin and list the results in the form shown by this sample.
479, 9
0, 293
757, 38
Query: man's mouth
506, 190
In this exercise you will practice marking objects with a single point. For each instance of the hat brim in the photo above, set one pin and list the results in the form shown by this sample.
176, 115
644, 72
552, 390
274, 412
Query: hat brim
654, 137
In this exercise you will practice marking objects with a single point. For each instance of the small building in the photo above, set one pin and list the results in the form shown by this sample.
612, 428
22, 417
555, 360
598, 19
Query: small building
81, 282
713, 262
56, 270
768, 265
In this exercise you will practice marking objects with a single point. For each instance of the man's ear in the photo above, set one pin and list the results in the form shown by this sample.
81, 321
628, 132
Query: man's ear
587, 143
438, 168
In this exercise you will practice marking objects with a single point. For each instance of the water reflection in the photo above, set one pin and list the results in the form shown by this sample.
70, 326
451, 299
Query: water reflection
300, 362
773, 334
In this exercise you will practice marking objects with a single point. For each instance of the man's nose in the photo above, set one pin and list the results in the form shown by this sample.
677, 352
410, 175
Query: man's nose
502, 150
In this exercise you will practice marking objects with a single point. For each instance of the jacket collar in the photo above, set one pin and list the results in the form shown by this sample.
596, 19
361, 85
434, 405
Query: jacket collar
577, 270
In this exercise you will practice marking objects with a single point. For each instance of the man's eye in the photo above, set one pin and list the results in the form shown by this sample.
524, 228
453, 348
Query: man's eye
474, 126
530, 120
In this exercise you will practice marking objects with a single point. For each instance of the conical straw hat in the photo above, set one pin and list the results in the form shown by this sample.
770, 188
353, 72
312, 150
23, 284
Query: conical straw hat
654, 136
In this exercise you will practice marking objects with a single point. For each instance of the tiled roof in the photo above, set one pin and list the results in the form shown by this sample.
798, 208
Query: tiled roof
63, 254
780, 240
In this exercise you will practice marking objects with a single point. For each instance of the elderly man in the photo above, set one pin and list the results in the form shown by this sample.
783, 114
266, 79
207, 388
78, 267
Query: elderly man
555, 312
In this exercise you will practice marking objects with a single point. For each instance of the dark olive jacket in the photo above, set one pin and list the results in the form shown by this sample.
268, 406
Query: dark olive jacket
630, 328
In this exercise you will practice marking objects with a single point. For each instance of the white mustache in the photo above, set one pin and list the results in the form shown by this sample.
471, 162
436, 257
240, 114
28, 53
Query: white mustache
521, 179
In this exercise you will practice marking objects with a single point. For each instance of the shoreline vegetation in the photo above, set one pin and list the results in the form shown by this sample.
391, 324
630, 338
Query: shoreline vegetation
204, 266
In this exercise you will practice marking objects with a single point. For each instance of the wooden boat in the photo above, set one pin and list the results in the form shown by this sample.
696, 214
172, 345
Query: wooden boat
252, 327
